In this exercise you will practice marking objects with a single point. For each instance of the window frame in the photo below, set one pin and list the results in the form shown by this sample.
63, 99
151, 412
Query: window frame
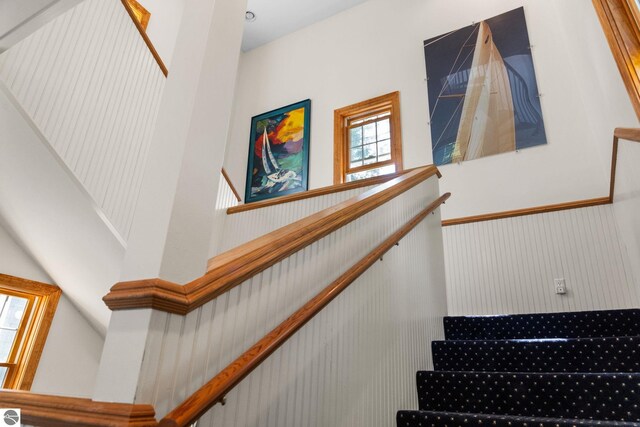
31, 336
620, 20
342, 118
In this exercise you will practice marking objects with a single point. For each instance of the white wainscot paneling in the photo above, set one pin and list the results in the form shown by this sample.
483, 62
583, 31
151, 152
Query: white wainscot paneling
92, 88
509, 265
627, 201
354, 364
226, 199
244, 226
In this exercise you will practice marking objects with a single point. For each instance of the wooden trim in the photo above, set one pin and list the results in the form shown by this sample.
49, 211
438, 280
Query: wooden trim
391, 102
233, 267
146, 39
230, 184
57, 411
37, 322
321, 191
630, 134
527, 211
142, 15
620, 28
217, 388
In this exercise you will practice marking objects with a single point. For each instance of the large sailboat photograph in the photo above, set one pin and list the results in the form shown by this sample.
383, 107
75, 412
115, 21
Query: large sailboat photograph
483, 94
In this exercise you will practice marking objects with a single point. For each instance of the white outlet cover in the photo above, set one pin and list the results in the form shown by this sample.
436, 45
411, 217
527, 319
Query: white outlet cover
561, 286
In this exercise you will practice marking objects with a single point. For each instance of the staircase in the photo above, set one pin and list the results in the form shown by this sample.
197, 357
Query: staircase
552, 369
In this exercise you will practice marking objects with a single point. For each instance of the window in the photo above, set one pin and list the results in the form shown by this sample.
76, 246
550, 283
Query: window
26, 312
367, 139
620, 20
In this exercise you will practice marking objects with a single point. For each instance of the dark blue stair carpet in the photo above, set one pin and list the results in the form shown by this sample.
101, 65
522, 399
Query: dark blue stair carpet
579, 324
618, 354
607, 397
449, 419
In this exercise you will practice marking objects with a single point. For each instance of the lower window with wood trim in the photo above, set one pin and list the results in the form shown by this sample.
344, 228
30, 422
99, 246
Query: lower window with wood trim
367, 139
26, 312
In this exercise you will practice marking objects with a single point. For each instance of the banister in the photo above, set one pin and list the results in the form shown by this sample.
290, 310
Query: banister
145, 38
337, 188
214, 391
235, 266
629, 134
59, 411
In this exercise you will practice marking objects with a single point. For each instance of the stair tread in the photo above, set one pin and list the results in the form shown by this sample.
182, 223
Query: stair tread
577, 324
604, 396
409, 418
603, 355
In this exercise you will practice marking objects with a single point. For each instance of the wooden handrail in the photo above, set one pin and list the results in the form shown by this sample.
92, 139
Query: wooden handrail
233, 267
58, 411
217, 388
146, 39
630, 134
320, 192
230, 184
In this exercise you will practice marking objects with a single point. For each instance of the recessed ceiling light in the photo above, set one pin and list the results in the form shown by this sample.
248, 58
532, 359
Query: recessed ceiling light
249, 16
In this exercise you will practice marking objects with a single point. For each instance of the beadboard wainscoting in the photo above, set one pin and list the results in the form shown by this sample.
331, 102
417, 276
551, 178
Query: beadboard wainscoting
92, 87
244, 226
226, 199
353, 364
626, 201
509, 265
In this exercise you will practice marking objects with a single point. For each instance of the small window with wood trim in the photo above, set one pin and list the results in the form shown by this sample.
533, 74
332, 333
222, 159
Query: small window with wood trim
26, 312
367, 139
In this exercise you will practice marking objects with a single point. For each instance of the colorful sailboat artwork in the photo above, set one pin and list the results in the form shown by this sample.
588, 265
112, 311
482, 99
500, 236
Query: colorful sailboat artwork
278, 152
483, 91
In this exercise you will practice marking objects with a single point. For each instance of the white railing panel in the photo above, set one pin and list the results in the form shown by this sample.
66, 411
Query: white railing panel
92, 87
226, 199
509, 265
244, 226
354, 364
626, 201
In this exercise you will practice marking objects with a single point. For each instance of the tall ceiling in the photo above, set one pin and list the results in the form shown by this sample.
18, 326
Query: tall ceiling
277, 18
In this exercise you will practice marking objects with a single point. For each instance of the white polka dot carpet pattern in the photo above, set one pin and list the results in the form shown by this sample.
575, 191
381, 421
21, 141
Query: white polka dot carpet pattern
551, 369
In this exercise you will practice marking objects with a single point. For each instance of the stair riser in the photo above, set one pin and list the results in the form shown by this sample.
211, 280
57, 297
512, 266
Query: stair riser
621, 354
584, 324
608, 397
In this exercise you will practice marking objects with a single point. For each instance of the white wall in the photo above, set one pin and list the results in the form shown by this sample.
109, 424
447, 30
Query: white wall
164, 25
69, 362
376, 48
626, 201
509, 266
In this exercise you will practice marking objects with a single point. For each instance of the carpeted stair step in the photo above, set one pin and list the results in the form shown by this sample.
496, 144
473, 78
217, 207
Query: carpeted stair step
617, 354
606, 397
453, 419
578, 324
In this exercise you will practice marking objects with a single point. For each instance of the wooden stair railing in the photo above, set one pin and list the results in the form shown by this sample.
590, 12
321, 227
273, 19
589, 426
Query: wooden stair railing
628, 134
214, 391
58, 411
235, 266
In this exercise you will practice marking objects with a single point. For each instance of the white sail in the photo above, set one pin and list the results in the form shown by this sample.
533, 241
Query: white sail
487, 124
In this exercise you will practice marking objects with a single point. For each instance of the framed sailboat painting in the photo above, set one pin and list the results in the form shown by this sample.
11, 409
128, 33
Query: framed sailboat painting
279, 152
483, 93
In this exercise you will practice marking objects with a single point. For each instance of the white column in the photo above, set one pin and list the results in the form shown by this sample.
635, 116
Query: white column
170, 232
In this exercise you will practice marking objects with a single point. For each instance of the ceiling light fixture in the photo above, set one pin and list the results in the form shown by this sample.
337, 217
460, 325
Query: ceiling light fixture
249, 16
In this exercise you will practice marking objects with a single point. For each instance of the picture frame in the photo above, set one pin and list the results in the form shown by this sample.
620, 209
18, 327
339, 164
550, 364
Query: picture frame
281, 166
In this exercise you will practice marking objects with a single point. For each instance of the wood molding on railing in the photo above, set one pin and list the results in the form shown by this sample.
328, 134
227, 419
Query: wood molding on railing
146, 39
629, 134
217, 388
58, 411
320, 192
235, 266
230, 184
621, 29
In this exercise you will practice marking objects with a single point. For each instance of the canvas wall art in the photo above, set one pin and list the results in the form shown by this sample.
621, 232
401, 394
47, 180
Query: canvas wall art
279, 152
483, 94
